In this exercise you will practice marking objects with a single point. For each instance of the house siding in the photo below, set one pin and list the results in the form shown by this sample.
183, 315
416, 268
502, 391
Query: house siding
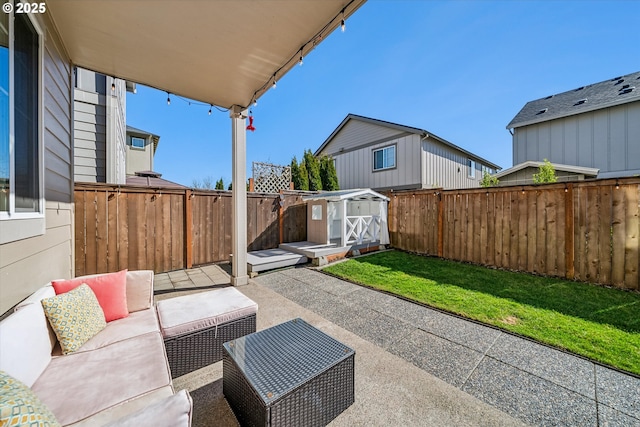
446, 167
90, 136
355, 168
139, 160
27, 264
357, 133
607, 139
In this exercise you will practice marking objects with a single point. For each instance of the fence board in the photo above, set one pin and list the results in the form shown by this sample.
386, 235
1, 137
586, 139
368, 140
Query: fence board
604, 232
534, 235
631, 253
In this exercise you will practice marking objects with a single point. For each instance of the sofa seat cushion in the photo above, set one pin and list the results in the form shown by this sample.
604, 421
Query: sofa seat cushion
110, 290
75, 317
195, 312
78, 385
19, 406
136, 324
173, 411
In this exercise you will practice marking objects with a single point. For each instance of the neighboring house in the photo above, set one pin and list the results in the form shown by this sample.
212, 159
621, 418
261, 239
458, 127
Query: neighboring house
99, 134
141, 147
371, 153
522, 174
595, 126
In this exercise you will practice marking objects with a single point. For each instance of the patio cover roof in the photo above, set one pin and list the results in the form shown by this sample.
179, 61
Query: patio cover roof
223, 52
352, 194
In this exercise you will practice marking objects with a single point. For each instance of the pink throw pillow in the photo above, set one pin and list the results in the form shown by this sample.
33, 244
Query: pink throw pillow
110, 290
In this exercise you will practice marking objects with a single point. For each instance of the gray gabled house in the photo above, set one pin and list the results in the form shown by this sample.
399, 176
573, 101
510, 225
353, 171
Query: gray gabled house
372, 153
594, 126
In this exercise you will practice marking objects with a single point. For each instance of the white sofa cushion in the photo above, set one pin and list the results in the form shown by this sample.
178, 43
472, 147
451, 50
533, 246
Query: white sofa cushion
173, 411
79, 385
191, 313
25, 345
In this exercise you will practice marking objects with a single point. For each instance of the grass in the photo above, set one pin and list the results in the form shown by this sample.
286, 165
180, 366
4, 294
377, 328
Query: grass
600, 323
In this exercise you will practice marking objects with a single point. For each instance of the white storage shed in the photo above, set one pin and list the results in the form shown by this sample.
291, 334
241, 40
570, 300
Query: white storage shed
347, 217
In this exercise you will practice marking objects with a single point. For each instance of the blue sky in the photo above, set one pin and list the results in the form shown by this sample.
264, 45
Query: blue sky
460, 69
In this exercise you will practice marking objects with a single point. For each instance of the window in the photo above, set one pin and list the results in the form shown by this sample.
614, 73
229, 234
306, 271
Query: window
384, 158
472, 168
137, 142
21, 171
316, 212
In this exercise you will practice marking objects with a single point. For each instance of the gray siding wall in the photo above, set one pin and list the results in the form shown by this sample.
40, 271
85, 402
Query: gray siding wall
355, 168
28, 264
90, 136
356, 133
447, 167
100, 129
607, 139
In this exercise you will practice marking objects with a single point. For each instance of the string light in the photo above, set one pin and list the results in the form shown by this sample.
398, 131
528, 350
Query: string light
210, 107
255, 102
113, 85
617, 185
168, 99
300, 61
343, 26
274, 82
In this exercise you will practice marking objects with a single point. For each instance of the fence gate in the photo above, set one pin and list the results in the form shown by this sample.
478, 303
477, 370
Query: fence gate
270, 178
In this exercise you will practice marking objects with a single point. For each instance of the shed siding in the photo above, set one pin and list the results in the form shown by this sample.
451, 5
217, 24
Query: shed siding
525, 177
90, 135
355, 168
607, 139
447, 168
27, 264
356, 133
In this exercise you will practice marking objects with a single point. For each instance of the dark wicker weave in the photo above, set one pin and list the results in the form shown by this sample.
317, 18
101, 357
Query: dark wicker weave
189, 352
290, 374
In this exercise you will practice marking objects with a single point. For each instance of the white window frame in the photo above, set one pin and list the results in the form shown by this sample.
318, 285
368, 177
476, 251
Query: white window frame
21, 225
395, 157
144, 142
471, 164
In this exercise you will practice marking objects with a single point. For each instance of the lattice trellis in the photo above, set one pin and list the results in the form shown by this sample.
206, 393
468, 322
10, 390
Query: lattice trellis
268, 178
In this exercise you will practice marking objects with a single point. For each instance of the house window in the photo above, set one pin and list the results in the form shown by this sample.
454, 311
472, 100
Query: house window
21, 171
137, 142
384, 158
472, 168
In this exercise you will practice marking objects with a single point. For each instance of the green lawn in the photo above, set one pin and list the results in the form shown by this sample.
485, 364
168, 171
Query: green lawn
599, 323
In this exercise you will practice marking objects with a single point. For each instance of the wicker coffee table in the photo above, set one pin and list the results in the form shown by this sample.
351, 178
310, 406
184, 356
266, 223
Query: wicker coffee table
290, 374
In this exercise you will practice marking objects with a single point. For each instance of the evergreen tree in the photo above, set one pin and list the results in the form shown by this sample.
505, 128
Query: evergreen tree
230, 187
328, 174
220, 184
313, 170
304, 177
295, 173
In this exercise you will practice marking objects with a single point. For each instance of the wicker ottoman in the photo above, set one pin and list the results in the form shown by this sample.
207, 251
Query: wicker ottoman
291, 374
195, 326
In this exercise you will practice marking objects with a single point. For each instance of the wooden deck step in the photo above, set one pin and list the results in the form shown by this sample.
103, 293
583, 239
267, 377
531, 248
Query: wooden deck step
270, 259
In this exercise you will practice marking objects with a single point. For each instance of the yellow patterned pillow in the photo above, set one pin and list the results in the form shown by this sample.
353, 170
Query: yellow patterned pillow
75, 317
20, 407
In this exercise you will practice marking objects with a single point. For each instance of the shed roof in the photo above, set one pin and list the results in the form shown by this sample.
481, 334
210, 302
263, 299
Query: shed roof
402, 128
615, 91
352, 194
591, 172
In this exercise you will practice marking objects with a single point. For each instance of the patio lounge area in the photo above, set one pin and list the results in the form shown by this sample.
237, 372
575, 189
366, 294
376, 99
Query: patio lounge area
415, 365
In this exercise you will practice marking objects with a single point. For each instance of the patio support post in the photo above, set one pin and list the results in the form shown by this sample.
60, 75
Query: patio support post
343, 225
239, 195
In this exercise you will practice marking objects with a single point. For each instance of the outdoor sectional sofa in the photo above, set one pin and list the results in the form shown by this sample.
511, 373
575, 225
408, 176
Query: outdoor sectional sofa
121, 376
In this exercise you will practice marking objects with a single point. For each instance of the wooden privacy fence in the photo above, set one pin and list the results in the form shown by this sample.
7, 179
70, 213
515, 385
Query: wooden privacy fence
588, 231
165, 229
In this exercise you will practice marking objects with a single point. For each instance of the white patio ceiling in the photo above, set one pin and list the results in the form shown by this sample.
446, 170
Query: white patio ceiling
221, 52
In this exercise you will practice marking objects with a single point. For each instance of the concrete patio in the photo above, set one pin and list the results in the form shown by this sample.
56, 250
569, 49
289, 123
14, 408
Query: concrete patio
418, 366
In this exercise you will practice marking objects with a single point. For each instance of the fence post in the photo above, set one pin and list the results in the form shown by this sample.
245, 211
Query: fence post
281, 217
440, 227
188, 229
569, 223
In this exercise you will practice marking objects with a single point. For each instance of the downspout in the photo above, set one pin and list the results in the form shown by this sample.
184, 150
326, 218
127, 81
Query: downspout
423, 161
